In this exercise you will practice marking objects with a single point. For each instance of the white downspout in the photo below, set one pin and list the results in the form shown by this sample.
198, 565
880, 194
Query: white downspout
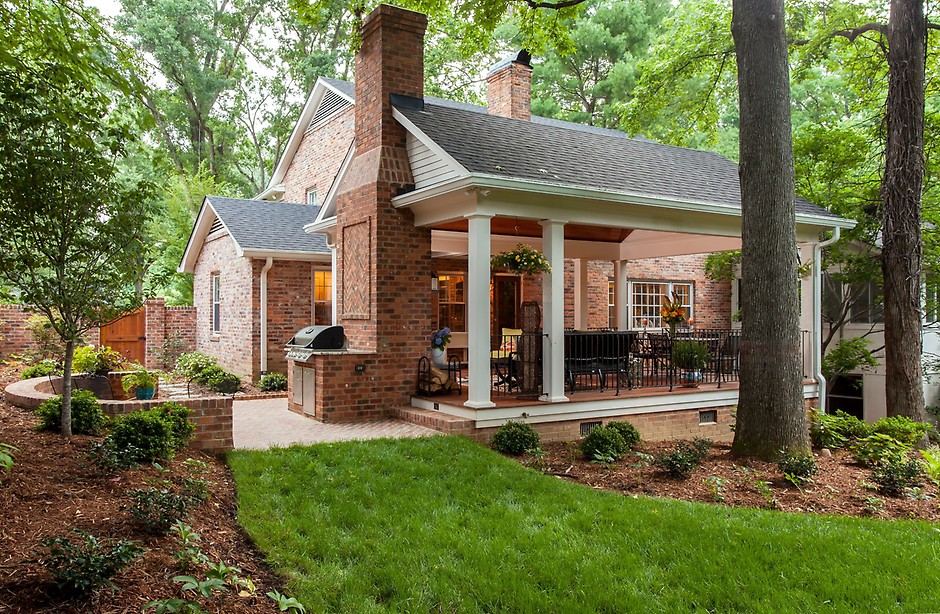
817, 314
264, 313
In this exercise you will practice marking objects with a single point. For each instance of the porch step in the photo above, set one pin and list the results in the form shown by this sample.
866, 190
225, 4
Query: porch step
439, 421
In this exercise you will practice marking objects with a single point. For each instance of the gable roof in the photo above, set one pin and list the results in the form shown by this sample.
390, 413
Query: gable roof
259, 228
560, 153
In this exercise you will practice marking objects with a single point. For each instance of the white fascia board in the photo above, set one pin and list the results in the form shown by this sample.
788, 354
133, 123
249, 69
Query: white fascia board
328, 209
550, 189
207, 214
275, 189
286, 255
428, 142
320, 225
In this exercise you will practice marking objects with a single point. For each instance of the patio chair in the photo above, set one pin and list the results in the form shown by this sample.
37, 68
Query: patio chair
503, 359
728, 357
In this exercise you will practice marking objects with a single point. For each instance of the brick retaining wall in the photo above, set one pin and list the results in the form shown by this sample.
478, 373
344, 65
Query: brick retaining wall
212, 415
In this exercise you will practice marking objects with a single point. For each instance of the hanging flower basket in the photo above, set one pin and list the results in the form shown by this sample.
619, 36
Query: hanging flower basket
522, 259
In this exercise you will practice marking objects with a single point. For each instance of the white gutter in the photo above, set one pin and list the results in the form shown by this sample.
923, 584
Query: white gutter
264, 313
817, 314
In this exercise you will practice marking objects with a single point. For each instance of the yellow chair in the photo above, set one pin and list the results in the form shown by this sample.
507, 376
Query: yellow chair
508, 346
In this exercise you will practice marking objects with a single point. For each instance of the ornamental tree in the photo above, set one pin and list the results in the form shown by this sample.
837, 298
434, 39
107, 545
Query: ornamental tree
71, 221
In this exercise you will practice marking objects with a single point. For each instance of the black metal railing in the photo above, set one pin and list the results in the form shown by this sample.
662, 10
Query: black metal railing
516, 364
611, 360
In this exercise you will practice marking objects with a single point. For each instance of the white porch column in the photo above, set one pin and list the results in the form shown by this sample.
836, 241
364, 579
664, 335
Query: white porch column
580, 294
333, 275
553, 312
620, 294
478, 311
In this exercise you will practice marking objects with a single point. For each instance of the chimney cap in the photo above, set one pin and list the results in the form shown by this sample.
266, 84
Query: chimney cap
522, 57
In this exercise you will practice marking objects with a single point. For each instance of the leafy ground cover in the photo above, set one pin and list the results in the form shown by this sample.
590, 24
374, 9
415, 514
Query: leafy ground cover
444, 524
53, 488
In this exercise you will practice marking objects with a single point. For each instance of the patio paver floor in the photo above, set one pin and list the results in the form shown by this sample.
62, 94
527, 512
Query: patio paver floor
265, 423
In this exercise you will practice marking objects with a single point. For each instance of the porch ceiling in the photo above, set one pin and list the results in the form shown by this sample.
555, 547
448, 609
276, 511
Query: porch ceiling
532, 229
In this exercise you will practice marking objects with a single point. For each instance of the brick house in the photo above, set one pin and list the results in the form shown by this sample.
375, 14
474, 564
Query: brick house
256, 275
411, 195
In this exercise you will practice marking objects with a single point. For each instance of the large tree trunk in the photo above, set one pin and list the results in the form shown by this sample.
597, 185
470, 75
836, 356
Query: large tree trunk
901, 191
770, 417
67, 388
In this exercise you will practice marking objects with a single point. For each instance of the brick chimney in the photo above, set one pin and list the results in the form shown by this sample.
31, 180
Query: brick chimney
383, 262
509, 87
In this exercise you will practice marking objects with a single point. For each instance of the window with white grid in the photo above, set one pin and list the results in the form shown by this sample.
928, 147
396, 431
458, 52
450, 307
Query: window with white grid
646, 298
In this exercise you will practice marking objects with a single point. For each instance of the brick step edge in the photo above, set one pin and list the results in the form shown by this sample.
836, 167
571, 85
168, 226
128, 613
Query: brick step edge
445, 423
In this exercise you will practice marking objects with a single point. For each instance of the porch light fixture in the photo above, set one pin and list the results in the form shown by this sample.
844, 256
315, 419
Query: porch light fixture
434, 284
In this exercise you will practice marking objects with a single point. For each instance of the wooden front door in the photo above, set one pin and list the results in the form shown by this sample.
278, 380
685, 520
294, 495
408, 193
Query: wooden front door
128, 335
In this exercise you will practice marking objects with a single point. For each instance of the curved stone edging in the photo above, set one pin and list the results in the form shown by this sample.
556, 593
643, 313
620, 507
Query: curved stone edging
212, 415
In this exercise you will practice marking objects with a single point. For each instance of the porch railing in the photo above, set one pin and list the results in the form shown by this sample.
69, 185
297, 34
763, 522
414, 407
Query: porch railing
614, 361
516, 364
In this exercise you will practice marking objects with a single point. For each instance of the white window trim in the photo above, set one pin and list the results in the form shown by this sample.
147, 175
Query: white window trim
670, 284
215, 300
464, 303
313, 296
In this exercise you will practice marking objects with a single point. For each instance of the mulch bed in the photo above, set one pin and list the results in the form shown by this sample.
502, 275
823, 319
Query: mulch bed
53, 489
841, 486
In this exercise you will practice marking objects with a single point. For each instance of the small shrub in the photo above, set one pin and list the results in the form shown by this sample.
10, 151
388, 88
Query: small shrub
88, 359
273, 381
515, 438
630, 435
158, 509
902, 429
202, 587
932, 463
147, 432
87, 418
107, 457
896, 475
684, 458
181, 427
218, 379
285, 603
172, 605
190, 554
192, 364
835, 430
45, 367
797, 468
86, 565
877, 449
6, 458
604, 444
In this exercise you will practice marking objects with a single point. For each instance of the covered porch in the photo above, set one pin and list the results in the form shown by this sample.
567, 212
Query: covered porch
623, 368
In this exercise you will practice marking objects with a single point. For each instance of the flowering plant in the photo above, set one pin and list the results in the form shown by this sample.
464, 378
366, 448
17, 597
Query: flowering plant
440, 338
672, 311
522, 259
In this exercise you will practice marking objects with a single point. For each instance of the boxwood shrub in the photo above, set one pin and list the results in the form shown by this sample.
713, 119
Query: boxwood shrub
515, 438
273, 381
631, 436
605, 444
87, 418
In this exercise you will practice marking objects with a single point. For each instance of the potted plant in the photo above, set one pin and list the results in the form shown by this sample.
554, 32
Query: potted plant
100, 361
692, 357
439, 340
522, 259
142, 382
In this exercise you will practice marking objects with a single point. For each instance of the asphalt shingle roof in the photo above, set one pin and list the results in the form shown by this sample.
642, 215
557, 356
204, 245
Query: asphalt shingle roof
265, 225
552, 152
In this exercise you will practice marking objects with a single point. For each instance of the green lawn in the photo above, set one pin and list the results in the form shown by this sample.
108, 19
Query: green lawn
443, 524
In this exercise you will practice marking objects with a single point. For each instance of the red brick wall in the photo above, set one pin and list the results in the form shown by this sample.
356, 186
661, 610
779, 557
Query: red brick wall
319, 157
712, 308
15, 336
177, 323
234, 347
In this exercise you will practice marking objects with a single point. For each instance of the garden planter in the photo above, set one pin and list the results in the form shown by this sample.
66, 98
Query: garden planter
144, 394
691, 379
439, 357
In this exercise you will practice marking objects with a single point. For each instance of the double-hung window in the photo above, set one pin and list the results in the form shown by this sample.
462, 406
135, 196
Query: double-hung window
216, 286
322, 297
452, 302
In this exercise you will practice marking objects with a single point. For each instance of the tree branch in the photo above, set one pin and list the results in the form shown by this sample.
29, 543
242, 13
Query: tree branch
562, 4
856, 32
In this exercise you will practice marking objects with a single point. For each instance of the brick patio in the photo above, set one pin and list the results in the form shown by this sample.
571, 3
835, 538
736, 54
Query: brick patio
267, 423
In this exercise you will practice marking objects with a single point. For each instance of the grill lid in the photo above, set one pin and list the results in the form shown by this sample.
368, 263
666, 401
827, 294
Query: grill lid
319, 338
